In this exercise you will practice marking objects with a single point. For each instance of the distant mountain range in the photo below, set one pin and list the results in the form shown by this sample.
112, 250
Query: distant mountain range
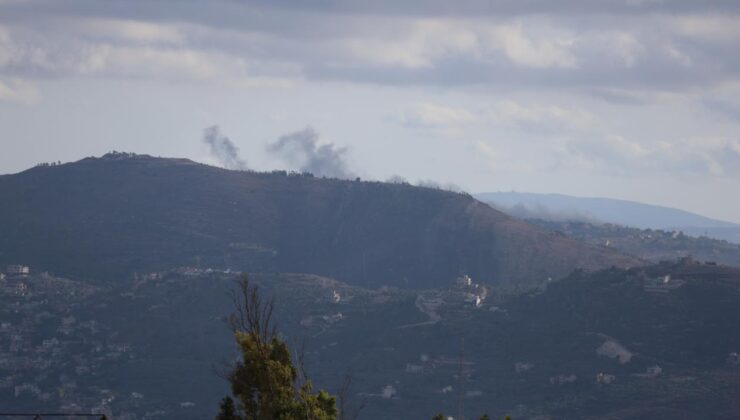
649, 244
560, 207
110, 217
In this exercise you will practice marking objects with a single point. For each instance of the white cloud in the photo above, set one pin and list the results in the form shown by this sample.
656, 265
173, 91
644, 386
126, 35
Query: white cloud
17, 90
695, 156
509, 50
550, 117
122, 49
159, 63
432, 115
527, 51
710, 27
628, 48
412, 44
6, 47
678, 55
418, 44
127, 30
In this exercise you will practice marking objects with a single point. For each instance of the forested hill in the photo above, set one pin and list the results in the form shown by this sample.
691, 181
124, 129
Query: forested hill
105, 218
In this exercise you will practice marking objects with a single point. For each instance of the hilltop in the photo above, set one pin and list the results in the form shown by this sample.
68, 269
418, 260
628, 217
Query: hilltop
109, 217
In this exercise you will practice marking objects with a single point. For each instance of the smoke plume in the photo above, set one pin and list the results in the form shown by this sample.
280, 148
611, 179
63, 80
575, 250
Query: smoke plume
303, 151
222, 149
539, 211
437, 186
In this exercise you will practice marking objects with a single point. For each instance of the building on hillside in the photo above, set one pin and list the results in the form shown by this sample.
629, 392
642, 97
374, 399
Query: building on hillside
18, 270
464, 281
476, 300
605, 378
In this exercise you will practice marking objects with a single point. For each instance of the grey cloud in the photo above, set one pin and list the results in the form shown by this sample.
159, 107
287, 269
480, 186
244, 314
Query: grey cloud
728, 159
302, 150
235, 13
690, 157
499, 7
617, 97
723, 108
598, 67
223, 149
298, 39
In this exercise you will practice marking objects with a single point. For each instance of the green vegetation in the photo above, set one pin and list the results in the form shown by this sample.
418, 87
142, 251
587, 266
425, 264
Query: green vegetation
266, 382
522, 352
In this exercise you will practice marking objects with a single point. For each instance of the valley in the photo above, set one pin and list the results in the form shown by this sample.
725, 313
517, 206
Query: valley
616, 343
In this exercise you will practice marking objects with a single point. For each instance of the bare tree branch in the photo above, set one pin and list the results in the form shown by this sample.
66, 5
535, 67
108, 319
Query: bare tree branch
345, 400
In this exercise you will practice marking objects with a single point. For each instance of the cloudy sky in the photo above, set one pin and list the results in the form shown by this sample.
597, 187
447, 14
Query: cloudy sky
633, 99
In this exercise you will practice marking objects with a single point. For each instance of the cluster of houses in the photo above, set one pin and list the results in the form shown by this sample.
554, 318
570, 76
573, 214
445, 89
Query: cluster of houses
15, 271
49, 369
474, 293
12, 281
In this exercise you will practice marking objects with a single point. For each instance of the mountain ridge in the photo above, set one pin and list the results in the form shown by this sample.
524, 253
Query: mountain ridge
122, 213
560, 207
606, 209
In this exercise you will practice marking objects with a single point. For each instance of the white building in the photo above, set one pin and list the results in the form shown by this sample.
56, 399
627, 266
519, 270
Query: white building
19, 270
605, 378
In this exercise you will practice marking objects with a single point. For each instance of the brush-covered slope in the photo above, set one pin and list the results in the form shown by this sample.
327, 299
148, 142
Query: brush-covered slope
113, 216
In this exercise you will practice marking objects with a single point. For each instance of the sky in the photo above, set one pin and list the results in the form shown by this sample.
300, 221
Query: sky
631, 99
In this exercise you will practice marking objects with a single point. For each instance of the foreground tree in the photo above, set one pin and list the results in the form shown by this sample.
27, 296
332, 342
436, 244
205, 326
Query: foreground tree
265, 381
227, 410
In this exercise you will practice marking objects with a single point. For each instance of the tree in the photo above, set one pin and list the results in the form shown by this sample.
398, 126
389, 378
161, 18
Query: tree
265, 381
348, 409
227, 410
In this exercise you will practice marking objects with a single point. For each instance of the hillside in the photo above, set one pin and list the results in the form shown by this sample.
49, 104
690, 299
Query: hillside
620, 344
560, 207
109, 217
649, 244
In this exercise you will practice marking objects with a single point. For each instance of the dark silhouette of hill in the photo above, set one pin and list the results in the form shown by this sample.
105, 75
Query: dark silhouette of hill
103, 218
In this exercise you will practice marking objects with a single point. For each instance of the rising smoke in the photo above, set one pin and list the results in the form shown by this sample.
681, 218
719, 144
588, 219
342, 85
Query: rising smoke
438, 186
539, 211
222, 149
302, 150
